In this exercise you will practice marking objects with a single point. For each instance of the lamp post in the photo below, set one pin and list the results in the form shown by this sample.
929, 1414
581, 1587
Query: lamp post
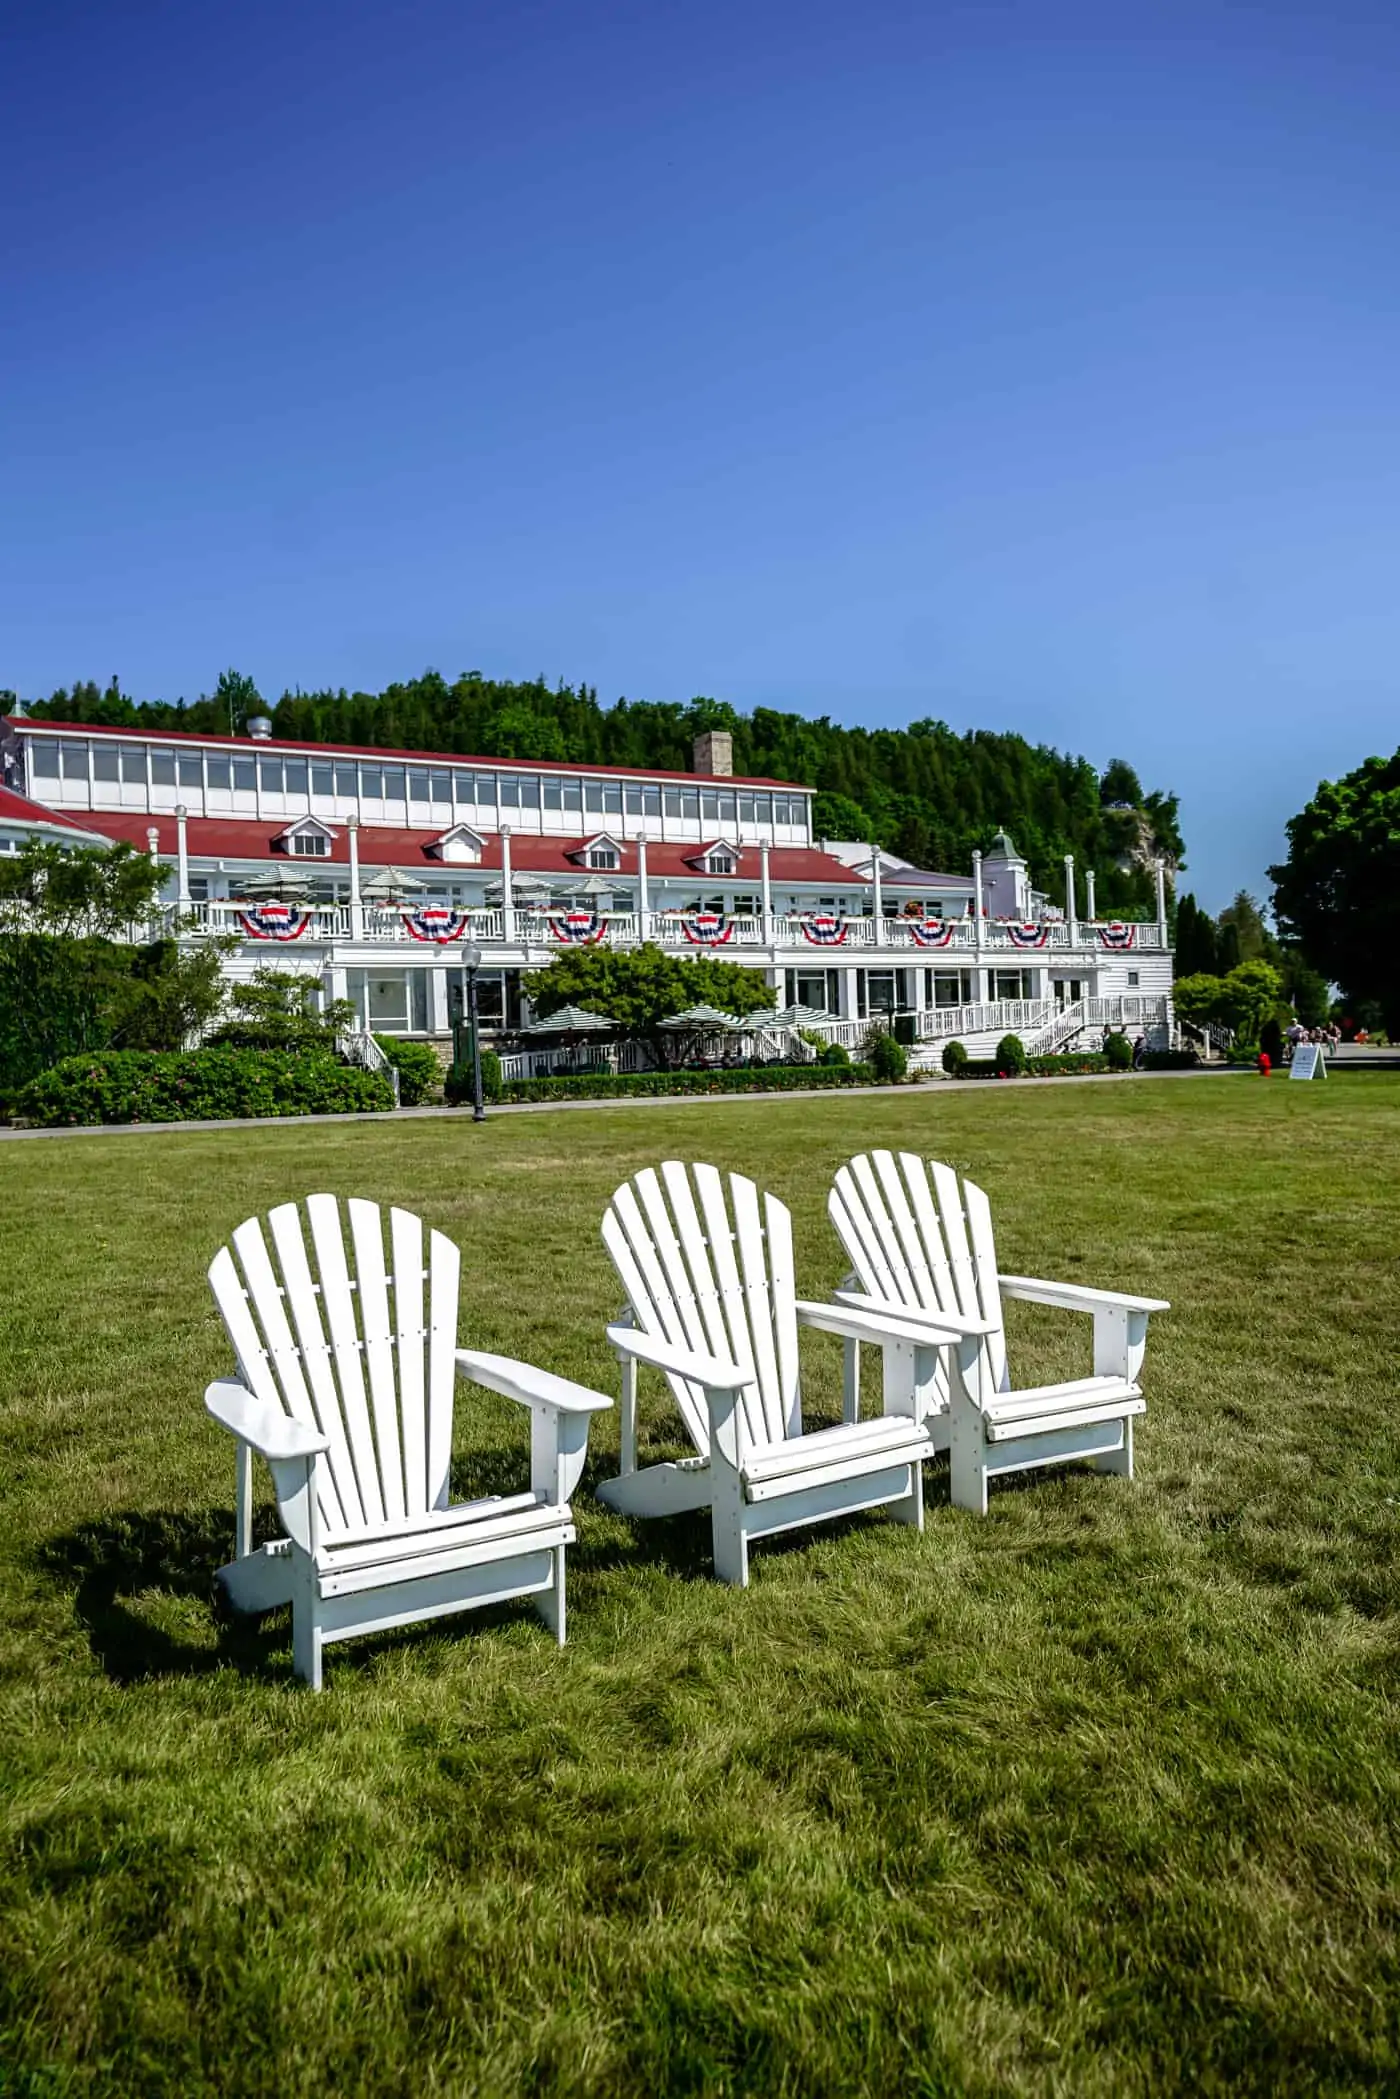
471, 963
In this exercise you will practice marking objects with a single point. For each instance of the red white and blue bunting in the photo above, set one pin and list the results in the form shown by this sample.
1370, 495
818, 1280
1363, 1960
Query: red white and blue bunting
822, 930
438, 923
578, 928
932, 933
273, 921
1027, 934
707, 928
1117, 936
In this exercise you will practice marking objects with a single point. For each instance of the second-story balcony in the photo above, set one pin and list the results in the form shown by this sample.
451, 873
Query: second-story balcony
534, 933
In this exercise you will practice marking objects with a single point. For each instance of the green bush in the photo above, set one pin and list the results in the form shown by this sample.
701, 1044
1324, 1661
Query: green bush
1118, 1052
1171, 1060
419, 1072
1068, 1061
1011, 1056
954, 1059
457, 1085
205, 1085
835, 1056
888, 1059
767, 1078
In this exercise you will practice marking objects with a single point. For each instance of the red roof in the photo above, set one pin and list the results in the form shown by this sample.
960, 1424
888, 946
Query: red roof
17, 808
243, 838
283, 744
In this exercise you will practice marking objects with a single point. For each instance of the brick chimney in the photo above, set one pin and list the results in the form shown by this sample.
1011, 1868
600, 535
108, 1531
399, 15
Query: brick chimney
714, 754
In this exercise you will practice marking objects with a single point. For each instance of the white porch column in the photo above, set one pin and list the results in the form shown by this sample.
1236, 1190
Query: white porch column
1071, 916
182, 857
643, 893
779, 976
877, 898
1089, 895
851, 994
507, 897
357, 909
1159, 869
977, 901
766, 886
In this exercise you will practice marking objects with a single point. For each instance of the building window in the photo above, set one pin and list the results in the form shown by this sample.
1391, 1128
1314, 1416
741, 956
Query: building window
104, 762
881, 988
296, 776
593, 797
323, 782
1012, 983
270, 775
44, 759
673, 801
311, 845
602, 856
418, 787
220, 774
245, 777
394, 1001
162, 768
190, 769
1134, 979
134, 763
819, 989
75, 761
347, 782
951, 987
720, 864
372, 782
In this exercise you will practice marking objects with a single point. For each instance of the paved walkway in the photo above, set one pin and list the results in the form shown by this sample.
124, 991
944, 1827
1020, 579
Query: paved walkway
927, 1090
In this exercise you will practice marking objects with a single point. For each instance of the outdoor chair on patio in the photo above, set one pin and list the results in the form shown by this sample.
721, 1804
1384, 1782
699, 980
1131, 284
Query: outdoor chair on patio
712, 1304
346, 1375
920, 1245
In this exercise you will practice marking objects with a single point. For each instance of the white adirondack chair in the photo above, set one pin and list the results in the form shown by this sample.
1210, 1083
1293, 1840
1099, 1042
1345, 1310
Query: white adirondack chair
920, 1244
713, 1305
352, 1409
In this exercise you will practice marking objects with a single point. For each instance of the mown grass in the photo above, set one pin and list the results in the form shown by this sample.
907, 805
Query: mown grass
1096, 1796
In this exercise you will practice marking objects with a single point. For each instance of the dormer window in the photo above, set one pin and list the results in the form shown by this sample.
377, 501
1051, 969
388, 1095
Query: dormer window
719, 858
602, 853
307, 839
459, 844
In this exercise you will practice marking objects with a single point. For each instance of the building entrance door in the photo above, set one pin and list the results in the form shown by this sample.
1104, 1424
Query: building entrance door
1067, 991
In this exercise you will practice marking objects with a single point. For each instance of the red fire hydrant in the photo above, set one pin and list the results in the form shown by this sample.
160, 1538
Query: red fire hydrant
1265, 1064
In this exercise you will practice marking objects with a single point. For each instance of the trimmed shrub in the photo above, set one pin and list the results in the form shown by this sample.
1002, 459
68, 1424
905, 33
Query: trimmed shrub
1068, 1061
1118, 1053
955, 1059
207, 1085
888, 1059
1010, 1057
457, 1084
768, 1078
419, 1072
835, 1056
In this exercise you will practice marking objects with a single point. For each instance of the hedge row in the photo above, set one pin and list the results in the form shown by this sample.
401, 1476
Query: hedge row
1171, 1060
775, 1078
1035, 1067
207, 1085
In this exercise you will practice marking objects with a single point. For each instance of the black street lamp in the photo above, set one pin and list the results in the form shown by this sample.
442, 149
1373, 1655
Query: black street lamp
471, 963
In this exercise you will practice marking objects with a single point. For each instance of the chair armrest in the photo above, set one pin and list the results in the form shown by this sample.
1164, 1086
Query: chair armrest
526, 1384
712, 1371
276, 1437
951, 1325
1077, 1297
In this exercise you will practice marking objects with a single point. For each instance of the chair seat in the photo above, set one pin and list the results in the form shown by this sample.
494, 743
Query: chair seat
1076, 1404
496, 1527
892, 1437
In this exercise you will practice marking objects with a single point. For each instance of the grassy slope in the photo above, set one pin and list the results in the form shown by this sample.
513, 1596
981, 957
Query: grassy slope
1097, 1796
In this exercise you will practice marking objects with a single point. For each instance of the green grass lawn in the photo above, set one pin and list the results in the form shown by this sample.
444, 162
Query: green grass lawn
1098, 1795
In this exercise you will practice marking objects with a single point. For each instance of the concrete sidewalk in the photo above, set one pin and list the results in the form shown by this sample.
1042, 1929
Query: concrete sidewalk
925, 1089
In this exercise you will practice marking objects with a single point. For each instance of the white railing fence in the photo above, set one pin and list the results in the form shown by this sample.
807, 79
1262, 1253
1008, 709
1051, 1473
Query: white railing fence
358, 1047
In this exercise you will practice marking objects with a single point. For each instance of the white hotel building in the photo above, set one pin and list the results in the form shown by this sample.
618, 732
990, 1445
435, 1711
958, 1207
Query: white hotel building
368, 868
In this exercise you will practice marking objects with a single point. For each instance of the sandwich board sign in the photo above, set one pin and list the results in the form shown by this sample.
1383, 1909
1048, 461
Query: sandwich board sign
1307, 1062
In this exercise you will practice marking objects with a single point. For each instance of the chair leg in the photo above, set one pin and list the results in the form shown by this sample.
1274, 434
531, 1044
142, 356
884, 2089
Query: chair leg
967, 1471
731, 1547
1120, 1461
910, 1507
550, 1602
306, 1629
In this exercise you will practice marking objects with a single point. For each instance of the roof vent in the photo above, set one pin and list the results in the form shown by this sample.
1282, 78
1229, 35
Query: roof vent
260, 728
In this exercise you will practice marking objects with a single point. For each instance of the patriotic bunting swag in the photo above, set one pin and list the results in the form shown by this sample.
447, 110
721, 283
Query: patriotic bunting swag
931, 934
822, 930
435, 922
707, 928
577, 928
1117, 936
273, 921
1028, 935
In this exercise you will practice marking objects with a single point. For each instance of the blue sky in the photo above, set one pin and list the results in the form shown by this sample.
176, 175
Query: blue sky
1030, 366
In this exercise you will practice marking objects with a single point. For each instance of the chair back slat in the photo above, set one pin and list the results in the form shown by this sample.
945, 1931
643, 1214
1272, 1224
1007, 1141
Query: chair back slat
628, 1238
372, 1291
739, 1346
337, 1492
444, 1287
341, 1343
338, 1306
915, 1235
782, 1295
410, 1333
691, 1236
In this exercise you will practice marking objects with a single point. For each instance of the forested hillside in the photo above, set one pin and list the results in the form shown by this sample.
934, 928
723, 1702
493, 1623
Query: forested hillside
925, 791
